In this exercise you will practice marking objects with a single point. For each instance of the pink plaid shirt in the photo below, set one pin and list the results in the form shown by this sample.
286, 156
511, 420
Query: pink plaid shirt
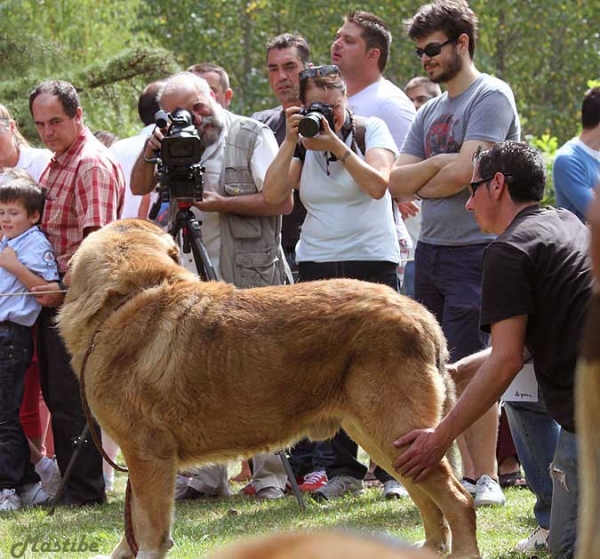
85, 188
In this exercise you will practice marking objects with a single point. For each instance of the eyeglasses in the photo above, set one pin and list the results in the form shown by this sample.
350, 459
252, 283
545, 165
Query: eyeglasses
476, 184
316, 71
432, 49
4, 124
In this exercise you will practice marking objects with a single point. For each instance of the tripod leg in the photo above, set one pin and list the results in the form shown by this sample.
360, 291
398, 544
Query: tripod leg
201, 258
292, 479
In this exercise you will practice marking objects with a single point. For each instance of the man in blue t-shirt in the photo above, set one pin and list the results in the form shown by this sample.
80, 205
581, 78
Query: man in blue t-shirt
576, 170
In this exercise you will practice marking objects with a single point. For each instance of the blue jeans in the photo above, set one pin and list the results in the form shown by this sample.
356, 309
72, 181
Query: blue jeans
535, 435
448, 283
548, 455
16, 351
565, 497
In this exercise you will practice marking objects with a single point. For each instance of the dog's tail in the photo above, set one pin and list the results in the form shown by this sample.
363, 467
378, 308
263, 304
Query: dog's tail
453, 454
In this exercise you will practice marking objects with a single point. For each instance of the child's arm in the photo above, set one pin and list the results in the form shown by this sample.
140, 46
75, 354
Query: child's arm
10, 262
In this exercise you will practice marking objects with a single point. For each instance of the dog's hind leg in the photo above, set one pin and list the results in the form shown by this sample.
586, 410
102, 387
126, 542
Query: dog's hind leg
437, 533
443, 502
152, 487
457, 507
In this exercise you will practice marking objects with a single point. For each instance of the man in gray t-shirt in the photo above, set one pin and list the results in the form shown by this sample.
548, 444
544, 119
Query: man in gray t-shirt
435, 165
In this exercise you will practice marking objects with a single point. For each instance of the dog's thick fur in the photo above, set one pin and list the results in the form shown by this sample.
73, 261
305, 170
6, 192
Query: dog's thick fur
587, 397
321, 545
186, 372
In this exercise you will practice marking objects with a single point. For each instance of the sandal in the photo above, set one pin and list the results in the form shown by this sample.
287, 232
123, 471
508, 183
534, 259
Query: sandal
514, 479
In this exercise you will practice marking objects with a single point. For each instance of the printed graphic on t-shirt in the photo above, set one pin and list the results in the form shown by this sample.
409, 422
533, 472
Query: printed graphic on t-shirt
49, 258
440, 138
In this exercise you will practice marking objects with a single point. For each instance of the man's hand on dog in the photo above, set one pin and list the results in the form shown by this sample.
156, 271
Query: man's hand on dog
427, 448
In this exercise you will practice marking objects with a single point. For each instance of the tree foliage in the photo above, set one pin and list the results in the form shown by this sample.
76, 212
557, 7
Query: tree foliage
547, 51
95, 46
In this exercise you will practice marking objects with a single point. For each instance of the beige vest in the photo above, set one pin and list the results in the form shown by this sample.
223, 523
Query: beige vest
251, 254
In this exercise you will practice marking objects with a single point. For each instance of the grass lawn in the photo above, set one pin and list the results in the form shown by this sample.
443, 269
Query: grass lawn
202, 526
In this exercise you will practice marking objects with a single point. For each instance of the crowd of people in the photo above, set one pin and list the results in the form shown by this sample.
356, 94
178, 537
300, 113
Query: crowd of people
430, 193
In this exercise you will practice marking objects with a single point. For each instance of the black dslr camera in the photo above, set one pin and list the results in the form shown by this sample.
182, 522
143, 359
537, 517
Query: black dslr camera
179, 168
311, 124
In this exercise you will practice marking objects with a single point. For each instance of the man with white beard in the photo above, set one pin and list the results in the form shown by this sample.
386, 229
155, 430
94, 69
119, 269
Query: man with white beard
241, 232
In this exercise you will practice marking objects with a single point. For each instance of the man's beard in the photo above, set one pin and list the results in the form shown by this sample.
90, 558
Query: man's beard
451, 71
210, 129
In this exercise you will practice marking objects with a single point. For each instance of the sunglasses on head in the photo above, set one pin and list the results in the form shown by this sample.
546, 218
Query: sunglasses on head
432, 49
316, 71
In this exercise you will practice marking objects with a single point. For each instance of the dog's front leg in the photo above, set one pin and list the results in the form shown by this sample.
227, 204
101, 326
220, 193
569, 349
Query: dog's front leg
122, 551
152, 480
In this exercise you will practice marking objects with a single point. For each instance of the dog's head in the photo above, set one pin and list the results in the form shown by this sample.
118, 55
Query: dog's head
121, 258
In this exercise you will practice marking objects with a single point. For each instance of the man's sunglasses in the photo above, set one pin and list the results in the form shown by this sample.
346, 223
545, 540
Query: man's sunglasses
316, 71
476, 184
432, 49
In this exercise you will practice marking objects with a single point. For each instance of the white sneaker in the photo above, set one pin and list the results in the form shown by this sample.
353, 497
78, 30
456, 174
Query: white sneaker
393, 489
469, 486
536, 541
32, 495
9, 500
49, 473
488, 492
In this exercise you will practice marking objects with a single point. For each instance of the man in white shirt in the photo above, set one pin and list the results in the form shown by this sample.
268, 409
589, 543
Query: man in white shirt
241, 232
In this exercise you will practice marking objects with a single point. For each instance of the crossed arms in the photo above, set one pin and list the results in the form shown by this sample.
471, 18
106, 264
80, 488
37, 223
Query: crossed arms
439, 176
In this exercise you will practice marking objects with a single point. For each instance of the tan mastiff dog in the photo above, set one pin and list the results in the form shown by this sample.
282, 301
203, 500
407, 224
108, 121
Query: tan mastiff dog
172, 362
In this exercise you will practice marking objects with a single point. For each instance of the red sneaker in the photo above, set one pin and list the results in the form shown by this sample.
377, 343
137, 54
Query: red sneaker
248, 490
313, 481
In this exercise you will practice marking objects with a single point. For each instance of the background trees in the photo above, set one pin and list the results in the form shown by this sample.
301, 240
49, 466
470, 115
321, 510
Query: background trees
110, 49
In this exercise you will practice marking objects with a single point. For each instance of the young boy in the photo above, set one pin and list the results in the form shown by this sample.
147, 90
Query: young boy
26, 260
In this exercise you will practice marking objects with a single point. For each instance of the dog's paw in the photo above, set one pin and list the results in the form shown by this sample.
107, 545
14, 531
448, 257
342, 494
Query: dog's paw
441, 549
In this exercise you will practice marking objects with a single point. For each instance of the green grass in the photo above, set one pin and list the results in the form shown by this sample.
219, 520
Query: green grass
202, 526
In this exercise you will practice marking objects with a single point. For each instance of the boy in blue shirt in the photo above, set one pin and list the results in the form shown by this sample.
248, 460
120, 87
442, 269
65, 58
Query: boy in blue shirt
26, 260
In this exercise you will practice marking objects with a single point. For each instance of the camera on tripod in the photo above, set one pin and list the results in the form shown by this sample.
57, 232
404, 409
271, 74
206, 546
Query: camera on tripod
311, 124
179, 158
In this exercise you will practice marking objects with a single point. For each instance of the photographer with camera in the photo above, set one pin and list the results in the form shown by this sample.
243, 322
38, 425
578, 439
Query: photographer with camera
241, 231
349, 227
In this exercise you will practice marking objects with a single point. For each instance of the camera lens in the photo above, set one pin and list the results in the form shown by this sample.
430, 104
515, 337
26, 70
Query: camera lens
310, 125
